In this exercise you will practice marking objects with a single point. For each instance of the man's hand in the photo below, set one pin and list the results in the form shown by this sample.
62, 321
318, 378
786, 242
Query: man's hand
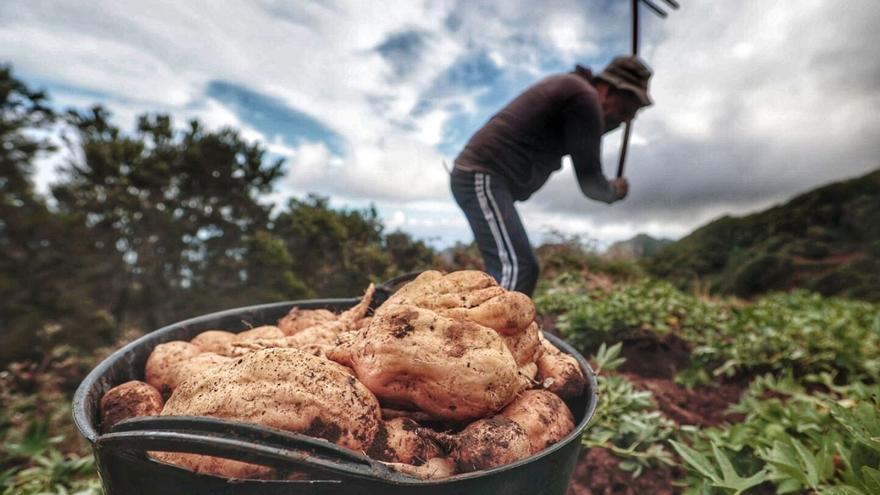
620, 186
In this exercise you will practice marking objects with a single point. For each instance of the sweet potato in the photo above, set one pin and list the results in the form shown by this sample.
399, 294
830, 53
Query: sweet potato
129, 400
436, 468
161, 368
543, 415
213, 340
298, 319
403, 440
196, 365
279, 388
486, 443
559, 372
263, 332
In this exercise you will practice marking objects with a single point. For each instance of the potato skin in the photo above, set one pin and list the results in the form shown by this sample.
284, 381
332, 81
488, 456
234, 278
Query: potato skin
279, 388
196, 365
251, 340
489, 443
298, 319
467, 295
413, 358
525, 346
264, 332
130, 400
560, 372
402, 440
217, 466
543, 415
213, 340
161, 368
436, 468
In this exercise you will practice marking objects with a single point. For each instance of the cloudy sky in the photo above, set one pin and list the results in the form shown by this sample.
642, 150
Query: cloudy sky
756, 100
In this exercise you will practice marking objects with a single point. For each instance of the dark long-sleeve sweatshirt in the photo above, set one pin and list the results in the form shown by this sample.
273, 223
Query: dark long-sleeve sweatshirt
526, 140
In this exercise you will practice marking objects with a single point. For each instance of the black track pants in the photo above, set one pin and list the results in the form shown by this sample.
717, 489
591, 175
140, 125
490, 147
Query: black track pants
488, 206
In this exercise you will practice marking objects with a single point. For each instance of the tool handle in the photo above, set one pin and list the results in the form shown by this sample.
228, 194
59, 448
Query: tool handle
623, 147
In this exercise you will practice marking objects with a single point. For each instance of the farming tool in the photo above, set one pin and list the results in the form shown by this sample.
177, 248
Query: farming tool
635, 51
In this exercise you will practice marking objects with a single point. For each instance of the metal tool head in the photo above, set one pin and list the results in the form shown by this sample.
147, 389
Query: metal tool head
635, 51
653, 7
659, 10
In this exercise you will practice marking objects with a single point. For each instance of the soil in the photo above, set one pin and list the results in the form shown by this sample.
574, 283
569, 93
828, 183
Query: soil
703, 406
651, 364
597, 471
597, 474
650, 357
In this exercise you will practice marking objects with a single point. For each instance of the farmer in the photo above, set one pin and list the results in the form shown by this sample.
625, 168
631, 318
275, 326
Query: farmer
515, 152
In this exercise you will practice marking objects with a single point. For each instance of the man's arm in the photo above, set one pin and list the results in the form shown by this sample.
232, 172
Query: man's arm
583, 138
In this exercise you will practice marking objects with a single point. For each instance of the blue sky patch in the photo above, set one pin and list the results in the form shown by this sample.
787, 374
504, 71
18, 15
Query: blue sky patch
403, 50
272, 117
472, 70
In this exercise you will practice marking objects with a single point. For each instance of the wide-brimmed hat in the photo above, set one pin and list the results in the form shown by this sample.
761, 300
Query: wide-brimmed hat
630, 74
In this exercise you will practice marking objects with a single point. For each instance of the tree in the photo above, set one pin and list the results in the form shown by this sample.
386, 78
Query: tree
180, 208
408, 255
46, 279
155, 225
337, 253
270, 270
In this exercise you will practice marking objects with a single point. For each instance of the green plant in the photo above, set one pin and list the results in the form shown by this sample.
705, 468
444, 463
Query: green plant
819, 441
53, 473
563, 293
797, 331
721, 473
36, 440
862, 454
627, 421
795, 467
647, 305
40, 450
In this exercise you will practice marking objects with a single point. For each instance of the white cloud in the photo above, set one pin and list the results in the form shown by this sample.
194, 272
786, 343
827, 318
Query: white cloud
755, 100
565, 32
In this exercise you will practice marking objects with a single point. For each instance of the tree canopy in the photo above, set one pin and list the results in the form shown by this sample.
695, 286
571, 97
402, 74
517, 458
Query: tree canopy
148, 227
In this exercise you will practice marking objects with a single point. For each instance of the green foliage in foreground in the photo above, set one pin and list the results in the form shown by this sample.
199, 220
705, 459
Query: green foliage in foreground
53, 473
811, 417
797, 331
647, 305
40, 450
627, 421
826, 442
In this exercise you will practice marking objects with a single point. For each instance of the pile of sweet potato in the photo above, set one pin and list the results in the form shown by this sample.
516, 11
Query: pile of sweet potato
450, 375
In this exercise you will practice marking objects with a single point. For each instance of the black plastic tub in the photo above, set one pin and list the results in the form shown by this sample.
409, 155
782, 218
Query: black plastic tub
125, 468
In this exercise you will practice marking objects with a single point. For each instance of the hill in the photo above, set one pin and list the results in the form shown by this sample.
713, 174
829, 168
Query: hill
640, 246
826, 240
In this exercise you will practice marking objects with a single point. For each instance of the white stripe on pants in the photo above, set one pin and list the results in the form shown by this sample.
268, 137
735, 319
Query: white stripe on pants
506, 253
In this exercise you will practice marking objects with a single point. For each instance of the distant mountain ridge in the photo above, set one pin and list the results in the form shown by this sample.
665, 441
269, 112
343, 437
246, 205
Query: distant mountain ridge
639, 247
826, 240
